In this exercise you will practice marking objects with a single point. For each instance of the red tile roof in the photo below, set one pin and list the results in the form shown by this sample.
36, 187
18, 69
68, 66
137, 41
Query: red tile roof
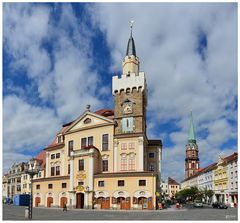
42, 158
172, 181
106, 113
232, 157
200, 169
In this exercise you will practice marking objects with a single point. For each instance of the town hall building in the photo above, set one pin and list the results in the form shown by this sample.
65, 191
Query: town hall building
104, 159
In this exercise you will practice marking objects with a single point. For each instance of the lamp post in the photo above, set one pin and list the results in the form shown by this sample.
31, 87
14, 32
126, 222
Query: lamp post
31, 172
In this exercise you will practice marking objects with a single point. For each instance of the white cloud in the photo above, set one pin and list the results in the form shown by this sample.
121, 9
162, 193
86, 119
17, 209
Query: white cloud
13, 157
26, 127
56, 56
64, 74
24, 28
167, 36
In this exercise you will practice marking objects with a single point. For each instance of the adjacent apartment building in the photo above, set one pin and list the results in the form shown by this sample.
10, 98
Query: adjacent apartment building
221, 177
104, 159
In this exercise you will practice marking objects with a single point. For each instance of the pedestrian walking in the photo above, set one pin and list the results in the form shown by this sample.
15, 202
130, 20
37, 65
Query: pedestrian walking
65, 207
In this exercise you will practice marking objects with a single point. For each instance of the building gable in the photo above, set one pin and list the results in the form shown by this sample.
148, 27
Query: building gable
88, 120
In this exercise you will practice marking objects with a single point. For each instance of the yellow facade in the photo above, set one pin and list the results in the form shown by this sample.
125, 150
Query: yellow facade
105, 158
42, 191
221, 181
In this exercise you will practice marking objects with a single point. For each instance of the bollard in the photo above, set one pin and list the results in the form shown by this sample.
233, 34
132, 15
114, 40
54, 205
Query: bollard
26, 212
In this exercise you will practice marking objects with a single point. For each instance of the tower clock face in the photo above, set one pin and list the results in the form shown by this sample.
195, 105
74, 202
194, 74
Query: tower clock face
127, 108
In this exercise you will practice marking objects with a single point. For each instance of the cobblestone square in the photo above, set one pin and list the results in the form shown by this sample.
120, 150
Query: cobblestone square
11, 212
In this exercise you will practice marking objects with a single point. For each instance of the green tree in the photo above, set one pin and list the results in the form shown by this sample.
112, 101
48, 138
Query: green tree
209, 194
193, 193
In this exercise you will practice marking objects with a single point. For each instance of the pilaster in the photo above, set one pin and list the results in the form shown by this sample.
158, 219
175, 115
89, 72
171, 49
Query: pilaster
141, 154
115, 160
71, 171
63, 163
47, 166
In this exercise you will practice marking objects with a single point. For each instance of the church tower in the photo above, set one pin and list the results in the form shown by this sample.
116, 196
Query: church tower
130, 102
192, 159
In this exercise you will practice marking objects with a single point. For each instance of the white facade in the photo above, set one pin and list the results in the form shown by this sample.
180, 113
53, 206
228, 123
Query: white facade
164, 189
4, 187
232, 182
205, 181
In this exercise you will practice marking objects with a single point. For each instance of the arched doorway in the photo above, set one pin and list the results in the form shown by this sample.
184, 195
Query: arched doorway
123, 202
37, 201
145, 203
80, 200
104, 202
49, 201
63, 201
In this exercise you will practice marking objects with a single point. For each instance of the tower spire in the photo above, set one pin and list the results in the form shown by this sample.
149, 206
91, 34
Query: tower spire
131, 50
191, 134
192, 158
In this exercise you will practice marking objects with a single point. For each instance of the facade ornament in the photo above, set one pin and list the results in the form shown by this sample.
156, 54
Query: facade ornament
140, 140
116, 142
88, 107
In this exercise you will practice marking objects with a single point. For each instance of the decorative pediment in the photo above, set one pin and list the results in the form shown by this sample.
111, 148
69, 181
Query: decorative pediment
88, 119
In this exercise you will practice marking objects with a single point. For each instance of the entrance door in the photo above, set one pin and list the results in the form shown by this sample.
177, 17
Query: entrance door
37, 201
128, 203
63, 201
49, 201
125, 203
80, 200
143, 202
150, 203
104, 202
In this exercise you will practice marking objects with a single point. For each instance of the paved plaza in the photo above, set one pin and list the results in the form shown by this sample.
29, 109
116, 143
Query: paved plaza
11, 212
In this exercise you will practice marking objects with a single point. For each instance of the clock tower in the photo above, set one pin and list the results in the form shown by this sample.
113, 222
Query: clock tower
130, 102
192, 159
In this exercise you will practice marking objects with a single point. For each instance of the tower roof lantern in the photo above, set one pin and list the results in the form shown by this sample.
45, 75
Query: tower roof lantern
131, 50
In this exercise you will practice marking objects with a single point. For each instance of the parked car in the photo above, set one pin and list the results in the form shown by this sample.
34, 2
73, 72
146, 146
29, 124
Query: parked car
219, 205
198, 204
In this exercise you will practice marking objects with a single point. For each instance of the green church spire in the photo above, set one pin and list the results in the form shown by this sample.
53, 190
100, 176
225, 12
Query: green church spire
191, 134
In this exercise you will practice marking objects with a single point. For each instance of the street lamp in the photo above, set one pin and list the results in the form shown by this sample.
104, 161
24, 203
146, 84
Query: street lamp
31, 172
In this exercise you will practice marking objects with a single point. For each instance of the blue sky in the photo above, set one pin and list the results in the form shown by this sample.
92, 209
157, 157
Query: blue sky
58, 57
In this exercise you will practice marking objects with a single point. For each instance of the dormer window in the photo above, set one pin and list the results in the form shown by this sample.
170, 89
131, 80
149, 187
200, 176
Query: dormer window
87, 121
59, 139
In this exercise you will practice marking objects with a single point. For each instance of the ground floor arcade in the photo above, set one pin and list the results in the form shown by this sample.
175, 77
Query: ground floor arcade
121, 200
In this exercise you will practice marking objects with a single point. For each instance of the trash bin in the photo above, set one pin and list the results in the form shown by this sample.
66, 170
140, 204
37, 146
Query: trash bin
26, 212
